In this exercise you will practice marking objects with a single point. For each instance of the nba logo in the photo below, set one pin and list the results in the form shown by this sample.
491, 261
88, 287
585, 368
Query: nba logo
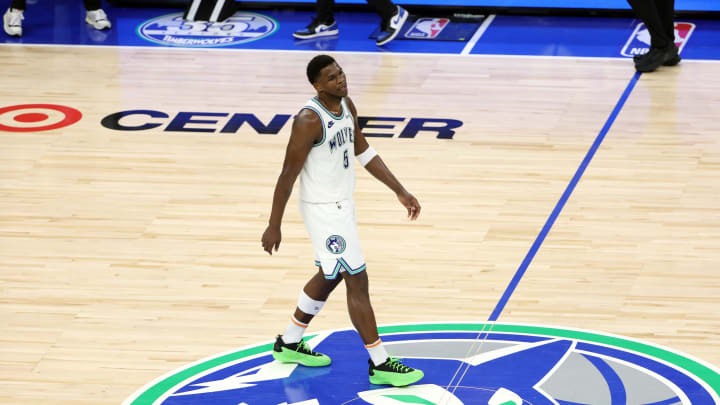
639, 41
427, 28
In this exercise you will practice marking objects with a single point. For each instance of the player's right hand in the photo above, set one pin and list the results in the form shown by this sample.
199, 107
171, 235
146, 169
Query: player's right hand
271, 239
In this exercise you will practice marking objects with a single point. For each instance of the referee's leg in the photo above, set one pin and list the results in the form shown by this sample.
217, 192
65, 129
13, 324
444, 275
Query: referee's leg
666, 10
648, 12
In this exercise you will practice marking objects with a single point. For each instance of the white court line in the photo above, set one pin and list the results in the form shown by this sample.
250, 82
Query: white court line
425, 54
479, 33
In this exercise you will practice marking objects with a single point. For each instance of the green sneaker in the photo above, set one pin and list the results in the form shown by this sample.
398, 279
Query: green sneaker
299, 353
394, 373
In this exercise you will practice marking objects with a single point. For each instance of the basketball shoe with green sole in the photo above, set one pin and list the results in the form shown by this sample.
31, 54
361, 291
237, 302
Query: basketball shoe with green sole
394, 373
299, 353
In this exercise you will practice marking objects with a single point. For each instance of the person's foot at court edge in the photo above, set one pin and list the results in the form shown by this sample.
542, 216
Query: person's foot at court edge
317, 29
299, 353
390, 29
12, 22
657, 57
672, 62
98, 19
393, 372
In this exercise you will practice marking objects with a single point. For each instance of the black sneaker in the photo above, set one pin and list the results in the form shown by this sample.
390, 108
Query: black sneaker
317, 29
299, 353
657, 57
394, 373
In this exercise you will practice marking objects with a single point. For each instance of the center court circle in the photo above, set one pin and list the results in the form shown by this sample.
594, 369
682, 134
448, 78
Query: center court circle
37, 117
174, 30
464, 364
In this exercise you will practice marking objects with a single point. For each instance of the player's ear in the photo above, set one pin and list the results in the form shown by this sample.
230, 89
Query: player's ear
316, 85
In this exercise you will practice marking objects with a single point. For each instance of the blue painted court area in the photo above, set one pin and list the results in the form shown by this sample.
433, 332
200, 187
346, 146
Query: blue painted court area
56, 22
688, 5
538, 365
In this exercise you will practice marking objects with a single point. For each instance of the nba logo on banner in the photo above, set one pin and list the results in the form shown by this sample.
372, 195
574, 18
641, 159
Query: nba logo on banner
427, 28
639, 41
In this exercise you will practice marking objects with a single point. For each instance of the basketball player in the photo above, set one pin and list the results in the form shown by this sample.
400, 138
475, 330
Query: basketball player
324, 141
393, 17
12, 20
658, 16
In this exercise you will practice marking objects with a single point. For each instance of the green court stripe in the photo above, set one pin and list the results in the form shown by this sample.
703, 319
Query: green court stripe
711, 377
157, 390
410, 399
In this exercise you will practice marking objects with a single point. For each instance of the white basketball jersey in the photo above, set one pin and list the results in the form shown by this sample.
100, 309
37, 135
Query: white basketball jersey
329, 171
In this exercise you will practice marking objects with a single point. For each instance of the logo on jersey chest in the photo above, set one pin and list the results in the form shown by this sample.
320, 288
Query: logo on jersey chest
341, 137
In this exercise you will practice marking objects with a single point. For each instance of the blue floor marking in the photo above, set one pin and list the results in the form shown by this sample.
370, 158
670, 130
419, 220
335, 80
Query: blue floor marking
563, 199
618, 393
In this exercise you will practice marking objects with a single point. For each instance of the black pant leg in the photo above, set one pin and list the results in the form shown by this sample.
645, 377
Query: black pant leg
648, 12
18, 4
384, 8
92, 4
325, 10
666, 9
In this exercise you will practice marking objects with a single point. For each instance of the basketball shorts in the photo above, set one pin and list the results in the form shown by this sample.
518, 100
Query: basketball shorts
333, 230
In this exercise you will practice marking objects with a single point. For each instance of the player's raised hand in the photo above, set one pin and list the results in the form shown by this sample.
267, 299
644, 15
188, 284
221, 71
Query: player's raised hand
271, 239
411, 203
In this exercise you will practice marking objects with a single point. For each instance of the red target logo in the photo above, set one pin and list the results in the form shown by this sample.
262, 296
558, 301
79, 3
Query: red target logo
37, 117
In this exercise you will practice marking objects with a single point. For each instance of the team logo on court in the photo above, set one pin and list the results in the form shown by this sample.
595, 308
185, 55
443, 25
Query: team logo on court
37, 117
427, 28
335, 244
464, 363
173, 30
639, 41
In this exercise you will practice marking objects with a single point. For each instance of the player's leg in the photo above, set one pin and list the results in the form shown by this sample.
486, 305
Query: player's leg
12, 19
323, 24
95, 15
289, 347
383, 369
312, 299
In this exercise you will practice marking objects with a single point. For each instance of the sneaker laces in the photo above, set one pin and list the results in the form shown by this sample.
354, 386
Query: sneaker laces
302, 347
16, 17
396, 365
99, 15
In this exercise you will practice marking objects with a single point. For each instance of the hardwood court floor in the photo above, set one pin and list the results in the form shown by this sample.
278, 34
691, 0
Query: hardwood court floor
127, 254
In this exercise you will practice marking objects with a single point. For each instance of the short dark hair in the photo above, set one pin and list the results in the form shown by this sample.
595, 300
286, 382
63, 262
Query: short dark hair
317, 64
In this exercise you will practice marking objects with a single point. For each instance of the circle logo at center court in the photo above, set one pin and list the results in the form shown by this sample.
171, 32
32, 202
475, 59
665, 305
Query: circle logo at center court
173, 30
37, 117
464, 364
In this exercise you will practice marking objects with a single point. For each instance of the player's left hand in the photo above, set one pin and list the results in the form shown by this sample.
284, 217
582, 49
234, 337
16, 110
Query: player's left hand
411, 203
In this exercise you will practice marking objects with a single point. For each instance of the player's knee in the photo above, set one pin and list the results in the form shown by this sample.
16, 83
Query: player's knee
309, 305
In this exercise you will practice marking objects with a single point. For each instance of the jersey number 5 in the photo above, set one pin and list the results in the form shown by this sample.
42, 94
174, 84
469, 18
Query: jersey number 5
346, 163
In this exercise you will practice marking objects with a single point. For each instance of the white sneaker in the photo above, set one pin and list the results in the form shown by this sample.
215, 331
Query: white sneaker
12, 22
98, 19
